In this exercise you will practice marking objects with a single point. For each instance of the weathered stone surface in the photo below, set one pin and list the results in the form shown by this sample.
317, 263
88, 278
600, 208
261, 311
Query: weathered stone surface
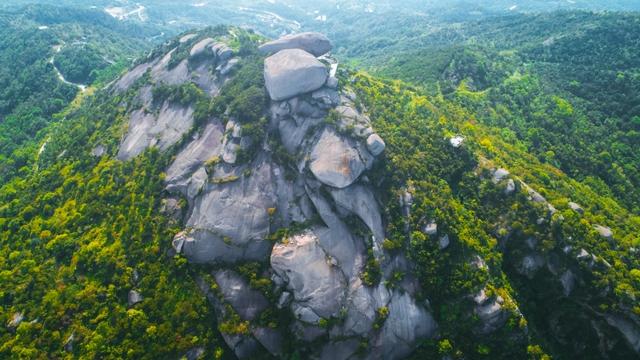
360, 200
335, 161
336, 239
132, 76
98, 151
430, 229
629, 330
317, 286
247, 302
375, 144
201, 47
134, 297
206, 147
604, 232
162, 131
311, 42
229, 66
575, 207
407, 322
499, 175
530, 265
456, 141
332, 82
490, 312
222, 51
327, 97
178, 74
231, 219
510, 188
16, 319
68, 344
443, 242
293, 72
568, 281
187, 37
271, 339
292, 134
340, 350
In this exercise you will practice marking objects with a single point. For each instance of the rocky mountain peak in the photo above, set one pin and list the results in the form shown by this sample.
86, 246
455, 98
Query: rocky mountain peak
291, 217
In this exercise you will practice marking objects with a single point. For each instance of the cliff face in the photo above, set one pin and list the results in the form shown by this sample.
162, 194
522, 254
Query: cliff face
316, 260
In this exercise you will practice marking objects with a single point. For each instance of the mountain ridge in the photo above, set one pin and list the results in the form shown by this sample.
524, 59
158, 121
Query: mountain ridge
451, 209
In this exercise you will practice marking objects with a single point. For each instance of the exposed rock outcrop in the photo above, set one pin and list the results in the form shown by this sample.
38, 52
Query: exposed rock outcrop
234, 209
134, 297
336, 161
289, 73
311, 42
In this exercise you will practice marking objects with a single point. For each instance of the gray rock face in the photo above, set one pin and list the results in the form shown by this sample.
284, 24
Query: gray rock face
131, 77
490, 312
311, 42
567, 280
629, 330
187, 37
335, 161
201, 47
206, 147
271, 339
360, 200
222, 51
16, 319
430, 229
577, 208
293, 72
98, 151
68, 344
317, 285
134, 297
443, 242
147, 130
499, 175
604, 232
248, 303
332, 82
375, 144
406, 323
231, 220
510, 188
530, 265
456, 141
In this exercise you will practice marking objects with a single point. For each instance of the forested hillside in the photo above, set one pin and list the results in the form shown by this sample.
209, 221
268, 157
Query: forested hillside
38, 44
523, 263
566, 84
434, 182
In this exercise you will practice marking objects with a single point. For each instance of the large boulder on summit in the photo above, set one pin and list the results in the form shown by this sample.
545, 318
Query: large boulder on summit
335, 161
293, 72
311, 42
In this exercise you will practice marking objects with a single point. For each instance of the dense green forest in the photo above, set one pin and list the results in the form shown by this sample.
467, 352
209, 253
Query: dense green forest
566, 84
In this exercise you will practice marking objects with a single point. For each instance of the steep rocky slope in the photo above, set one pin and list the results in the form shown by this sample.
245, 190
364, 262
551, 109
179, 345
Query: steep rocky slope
234, 206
